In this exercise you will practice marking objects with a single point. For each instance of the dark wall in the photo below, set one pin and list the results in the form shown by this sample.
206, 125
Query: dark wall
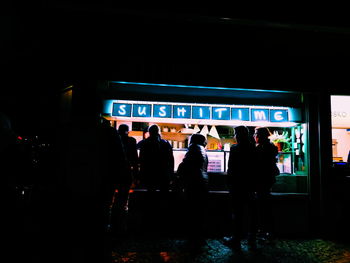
31, 103
105, 41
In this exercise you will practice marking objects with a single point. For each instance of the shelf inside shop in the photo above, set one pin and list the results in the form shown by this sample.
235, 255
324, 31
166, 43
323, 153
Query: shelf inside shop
175, 133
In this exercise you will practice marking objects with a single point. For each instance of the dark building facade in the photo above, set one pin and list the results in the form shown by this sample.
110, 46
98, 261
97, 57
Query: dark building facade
303, 199
237, 60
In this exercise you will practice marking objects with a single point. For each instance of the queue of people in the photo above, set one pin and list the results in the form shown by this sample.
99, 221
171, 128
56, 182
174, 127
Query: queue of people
120, 168
249, 185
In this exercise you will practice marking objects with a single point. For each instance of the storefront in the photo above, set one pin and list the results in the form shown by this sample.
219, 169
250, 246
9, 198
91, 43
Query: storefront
336, 179
182, 110
340, 128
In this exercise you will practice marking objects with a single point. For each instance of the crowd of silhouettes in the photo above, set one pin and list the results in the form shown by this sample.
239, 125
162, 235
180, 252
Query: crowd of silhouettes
123, 164
251, 174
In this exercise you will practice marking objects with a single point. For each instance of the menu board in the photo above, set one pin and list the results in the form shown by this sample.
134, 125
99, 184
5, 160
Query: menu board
284, 163
216, 162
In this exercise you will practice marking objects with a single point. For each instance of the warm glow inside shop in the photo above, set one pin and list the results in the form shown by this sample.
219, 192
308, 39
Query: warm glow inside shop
340, 128
178, 120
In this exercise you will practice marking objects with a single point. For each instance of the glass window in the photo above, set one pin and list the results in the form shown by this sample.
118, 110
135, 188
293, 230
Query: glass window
340, 107
288, 133
293, 158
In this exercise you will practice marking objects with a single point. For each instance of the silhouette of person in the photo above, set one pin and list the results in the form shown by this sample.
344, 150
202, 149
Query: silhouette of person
193, 174
122, 198
10, 163
266, 160
156, 162
11, 159
156, 172
145, 135
114, 172
241, 176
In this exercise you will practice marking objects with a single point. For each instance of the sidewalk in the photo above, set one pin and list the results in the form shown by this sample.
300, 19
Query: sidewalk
148, 249
160, 237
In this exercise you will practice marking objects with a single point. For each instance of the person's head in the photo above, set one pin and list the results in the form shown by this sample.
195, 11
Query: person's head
153, 130
123, 129
105, 122
262, 134
199, 139
241, 133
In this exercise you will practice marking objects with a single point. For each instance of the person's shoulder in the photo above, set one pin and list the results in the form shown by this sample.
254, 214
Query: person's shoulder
132, 140
242, 147
196, 148
146, 142
252, 146
272, 145
163, 141
108, 130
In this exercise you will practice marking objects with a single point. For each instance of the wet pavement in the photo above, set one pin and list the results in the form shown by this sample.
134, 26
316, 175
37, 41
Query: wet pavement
281, 250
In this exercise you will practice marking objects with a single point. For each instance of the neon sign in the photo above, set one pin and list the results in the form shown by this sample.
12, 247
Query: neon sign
146, 109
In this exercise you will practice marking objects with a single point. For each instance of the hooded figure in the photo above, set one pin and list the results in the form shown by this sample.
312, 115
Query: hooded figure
195, 164
193, 172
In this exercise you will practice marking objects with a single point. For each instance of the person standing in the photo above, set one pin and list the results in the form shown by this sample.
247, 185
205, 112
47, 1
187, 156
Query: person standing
156, 162
121, 199
10, 170
241, 178
156, 172
266, 164
114, 172
193, 173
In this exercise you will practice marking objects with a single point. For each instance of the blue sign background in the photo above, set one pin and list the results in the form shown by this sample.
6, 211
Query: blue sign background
278, 115
221, 113
182, 112
177, 111
141, 110
121, 109
200, 112
260, 115
162, 111
241, 114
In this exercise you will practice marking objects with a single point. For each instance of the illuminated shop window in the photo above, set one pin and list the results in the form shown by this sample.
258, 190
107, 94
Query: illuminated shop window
179, 120
340, 107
